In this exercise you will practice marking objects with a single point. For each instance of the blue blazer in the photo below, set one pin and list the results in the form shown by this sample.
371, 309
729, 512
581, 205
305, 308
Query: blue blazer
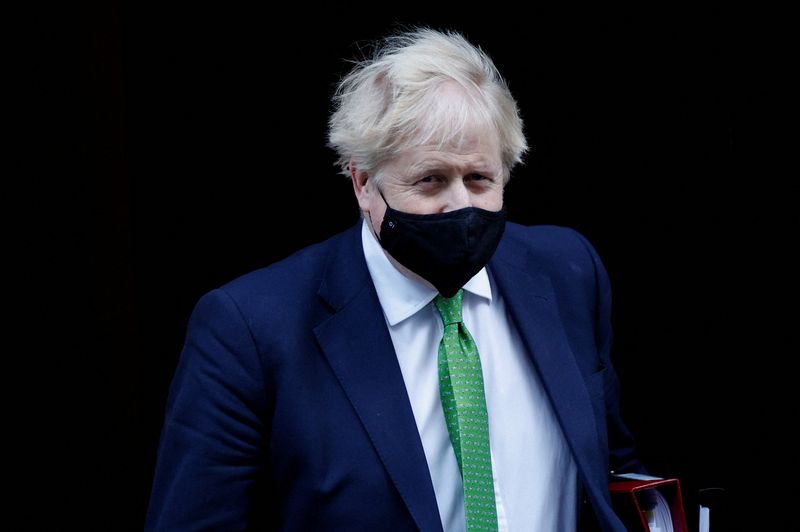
288, 408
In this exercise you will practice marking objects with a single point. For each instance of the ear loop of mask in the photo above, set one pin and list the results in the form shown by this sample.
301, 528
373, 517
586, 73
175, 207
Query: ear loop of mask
369, 215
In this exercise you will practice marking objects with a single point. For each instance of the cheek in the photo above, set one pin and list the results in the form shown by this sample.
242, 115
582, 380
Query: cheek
490, 201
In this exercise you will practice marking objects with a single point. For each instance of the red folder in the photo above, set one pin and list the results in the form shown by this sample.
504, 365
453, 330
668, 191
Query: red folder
632, 500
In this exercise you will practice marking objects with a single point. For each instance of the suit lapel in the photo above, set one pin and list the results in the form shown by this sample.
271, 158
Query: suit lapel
533, 308
357, 344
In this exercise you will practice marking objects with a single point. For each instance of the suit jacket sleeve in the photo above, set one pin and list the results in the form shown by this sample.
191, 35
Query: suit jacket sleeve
211, 441
622, 455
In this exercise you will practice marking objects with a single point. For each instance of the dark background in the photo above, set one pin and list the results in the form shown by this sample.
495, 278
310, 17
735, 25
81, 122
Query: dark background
655, 133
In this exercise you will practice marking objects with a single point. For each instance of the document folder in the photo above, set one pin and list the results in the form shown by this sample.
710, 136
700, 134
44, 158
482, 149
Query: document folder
648, 503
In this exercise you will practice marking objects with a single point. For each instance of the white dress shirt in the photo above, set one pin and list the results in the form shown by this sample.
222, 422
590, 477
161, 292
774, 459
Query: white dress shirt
535, 477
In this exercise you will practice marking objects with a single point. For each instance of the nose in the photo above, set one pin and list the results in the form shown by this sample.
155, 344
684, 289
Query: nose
458, 196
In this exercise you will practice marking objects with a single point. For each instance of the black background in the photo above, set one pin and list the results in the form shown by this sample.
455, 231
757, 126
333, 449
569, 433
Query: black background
656, 133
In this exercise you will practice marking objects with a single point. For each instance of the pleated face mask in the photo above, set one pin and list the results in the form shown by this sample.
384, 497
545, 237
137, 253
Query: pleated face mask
446, 249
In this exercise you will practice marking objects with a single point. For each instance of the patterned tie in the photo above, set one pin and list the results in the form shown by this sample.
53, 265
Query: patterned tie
464, 404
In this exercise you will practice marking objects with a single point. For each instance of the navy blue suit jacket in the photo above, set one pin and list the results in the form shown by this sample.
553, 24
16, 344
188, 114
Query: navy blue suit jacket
288, 408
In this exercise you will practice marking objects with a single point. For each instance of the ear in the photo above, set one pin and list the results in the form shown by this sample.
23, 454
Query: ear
362, 186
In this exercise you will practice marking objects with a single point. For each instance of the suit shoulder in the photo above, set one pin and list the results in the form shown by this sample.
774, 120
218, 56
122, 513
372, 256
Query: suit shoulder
288, 282
549, 239
564, 255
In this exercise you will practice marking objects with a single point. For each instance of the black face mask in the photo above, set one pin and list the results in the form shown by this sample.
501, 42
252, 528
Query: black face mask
445, 249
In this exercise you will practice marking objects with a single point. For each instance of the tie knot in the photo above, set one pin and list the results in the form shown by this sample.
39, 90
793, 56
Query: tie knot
449, 307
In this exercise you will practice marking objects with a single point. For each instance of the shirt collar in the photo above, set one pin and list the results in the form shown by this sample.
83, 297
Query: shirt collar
401, 297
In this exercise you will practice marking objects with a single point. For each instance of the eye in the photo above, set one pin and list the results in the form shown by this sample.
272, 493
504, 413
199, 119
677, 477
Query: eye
480, 183
428, 179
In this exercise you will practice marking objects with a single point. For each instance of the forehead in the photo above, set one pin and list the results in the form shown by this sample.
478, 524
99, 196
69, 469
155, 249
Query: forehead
474, 139
454, 129
476, 155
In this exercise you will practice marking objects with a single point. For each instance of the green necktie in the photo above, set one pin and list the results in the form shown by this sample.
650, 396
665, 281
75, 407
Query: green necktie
464, 404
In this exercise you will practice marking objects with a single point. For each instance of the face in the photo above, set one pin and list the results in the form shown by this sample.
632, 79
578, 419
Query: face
433, 179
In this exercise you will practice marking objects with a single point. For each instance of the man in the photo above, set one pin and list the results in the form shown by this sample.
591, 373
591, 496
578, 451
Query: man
431, 368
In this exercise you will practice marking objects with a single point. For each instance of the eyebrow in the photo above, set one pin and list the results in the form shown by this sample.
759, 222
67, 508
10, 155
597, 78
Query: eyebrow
432, 164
